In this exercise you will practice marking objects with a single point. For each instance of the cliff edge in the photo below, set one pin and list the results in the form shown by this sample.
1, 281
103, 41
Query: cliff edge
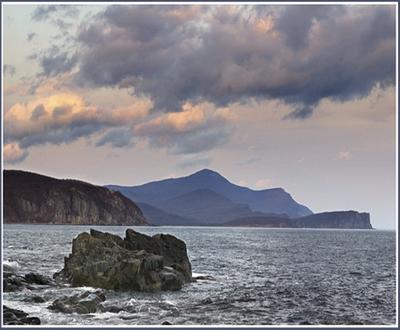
35, 198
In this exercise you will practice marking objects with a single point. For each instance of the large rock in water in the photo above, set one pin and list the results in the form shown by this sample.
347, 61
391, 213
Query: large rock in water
138, 262
34, 198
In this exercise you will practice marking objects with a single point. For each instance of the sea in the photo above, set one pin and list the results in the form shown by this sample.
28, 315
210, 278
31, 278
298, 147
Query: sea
255, 276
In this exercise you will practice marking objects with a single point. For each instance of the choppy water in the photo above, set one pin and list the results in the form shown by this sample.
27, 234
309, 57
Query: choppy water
263, 277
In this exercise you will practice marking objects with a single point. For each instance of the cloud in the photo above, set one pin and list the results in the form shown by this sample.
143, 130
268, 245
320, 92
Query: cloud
44, 12
249, 161
344, 155
31, 36
66, 117
13, 154
224, 54
118, 138
195, 129
194, 162
9, 70
295, 22
55, 61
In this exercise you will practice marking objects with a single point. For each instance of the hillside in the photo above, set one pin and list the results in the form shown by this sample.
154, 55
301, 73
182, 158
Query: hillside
35, 198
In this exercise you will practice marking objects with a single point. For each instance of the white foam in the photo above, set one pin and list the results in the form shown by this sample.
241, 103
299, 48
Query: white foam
198, 274
13, 264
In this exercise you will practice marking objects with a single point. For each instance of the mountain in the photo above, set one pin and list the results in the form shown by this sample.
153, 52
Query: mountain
206, 206
35, 198
161, 194
156, 216
337, 220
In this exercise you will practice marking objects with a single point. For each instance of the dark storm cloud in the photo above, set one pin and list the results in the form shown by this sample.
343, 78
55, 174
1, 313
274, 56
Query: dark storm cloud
9, 70
60, 135
295, 22
225, 54
44, 12
118, 138
56, 61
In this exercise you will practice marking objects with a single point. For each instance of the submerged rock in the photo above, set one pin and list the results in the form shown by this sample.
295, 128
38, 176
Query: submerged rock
35, 299
17, 317
138, 262
85, 303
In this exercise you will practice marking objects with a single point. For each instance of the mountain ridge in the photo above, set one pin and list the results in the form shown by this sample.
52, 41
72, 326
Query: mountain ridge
275, 200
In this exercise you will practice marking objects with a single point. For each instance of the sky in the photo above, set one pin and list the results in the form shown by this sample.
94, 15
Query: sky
301, 97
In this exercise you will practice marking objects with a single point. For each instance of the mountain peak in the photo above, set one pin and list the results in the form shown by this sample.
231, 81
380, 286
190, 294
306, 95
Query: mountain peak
205, 172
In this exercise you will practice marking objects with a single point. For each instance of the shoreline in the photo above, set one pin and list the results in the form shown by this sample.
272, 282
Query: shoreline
205, 226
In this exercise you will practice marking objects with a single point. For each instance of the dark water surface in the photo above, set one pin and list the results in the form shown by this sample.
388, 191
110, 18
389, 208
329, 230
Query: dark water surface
262, 277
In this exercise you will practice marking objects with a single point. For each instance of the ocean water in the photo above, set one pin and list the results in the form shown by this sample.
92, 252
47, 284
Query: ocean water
262, 277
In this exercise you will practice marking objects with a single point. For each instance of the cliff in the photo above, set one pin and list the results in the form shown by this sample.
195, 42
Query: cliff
333, 220
339, 219
34, 198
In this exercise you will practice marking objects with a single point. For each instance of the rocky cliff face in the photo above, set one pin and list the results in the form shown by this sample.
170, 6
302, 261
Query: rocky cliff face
34, 198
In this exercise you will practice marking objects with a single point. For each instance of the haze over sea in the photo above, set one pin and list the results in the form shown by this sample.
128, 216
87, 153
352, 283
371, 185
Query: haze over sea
261, 276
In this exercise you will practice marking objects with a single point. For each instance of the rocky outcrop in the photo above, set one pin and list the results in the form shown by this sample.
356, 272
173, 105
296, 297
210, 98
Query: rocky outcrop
333, 220
17, 317
85, 303
34, 198
138, 262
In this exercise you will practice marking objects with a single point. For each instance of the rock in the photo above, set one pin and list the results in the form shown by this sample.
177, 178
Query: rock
35, 299
172, 249
85, 303
113, 309
13, 282
34, 278
206, 301
166, 323
138, 262
17, 317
